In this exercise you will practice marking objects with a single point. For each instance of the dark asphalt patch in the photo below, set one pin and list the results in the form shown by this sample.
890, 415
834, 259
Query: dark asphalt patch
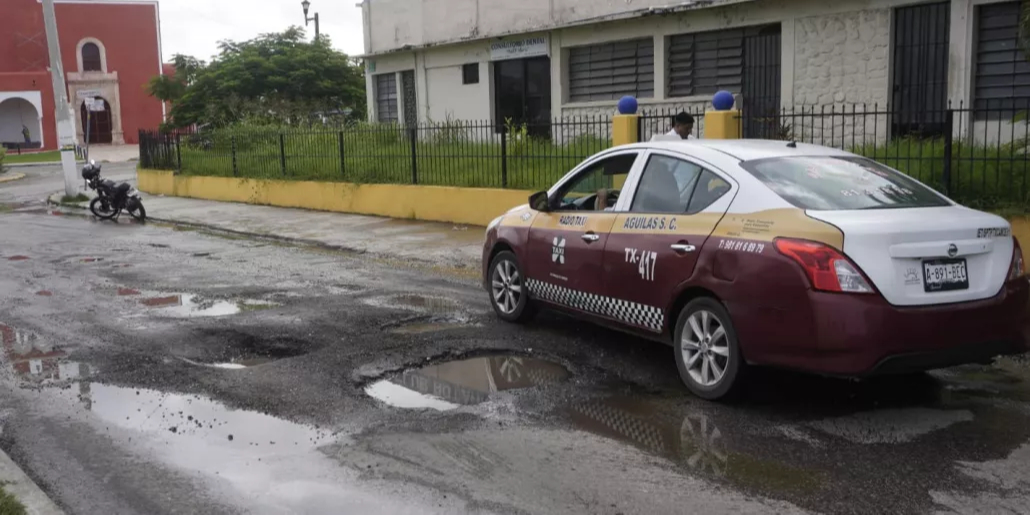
414, 302
426, 324
447, 385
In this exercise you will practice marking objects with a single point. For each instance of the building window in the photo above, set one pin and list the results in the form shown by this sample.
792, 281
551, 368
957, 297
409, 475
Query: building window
470, 73
91, 61
1002, 70
386, 98
610, 70
704, 63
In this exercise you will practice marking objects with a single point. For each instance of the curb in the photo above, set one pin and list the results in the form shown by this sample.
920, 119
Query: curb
18, 484
12, 177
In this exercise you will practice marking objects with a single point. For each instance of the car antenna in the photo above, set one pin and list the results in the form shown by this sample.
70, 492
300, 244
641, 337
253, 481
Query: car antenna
792, 144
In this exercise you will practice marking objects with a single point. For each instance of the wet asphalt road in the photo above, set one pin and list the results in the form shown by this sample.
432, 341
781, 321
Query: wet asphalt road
148, 369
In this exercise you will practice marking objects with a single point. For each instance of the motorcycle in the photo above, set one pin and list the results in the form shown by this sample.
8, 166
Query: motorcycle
112, 198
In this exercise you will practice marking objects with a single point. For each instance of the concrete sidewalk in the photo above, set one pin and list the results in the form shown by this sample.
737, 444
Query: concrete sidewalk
432, 243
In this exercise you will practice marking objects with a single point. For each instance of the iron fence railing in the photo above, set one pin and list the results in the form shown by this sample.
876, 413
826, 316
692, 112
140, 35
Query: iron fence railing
978, 155
454, 153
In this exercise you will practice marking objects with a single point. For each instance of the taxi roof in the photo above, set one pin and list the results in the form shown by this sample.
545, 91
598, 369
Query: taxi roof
748, 149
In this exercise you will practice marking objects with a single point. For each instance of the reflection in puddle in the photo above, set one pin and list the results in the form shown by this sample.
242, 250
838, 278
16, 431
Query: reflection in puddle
448, 385
191, 306
235, 364
692, 438
423, 325
415, 302
35, 359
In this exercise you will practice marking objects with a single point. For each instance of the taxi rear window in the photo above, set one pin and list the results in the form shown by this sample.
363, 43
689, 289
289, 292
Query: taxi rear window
830, 183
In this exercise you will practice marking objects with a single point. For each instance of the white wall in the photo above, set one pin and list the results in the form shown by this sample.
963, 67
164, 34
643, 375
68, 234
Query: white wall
392, 24
18, 108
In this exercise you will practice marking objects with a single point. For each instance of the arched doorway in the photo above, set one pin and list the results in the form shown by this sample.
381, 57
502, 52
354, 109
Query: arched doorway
19, 124
96, 125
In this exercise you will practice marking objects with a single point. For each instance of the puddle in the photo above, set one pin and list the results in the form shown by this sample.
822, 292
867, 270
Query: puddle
235, 364
415, 302
36, 360
194, 306
124, 292
692, 437
17, 258
45, 293
446, 386
423, 325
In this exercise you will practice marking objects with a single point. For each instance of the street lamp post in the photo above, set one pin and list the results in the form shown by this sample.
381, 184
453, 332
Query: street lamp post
306, 5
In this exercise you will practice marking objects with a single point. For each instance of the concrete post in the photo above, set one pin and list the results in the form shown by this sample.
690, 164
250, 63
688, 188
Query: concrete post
724, 122
625, 129
63, 114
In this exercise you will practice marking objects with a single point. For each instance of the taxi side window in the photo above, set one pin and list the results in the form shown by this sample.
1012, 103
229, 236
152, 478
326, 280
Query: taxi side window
596, 188
670, 185
710, 187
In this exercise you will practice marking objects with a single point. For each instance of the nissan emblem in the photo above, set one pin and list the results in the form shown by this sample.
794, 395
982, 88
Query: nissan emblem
952, 250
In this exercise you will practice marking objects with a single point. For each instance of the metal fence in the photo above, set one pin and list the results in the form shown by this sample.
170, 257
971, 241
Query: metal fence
656, 122
977, 155
477, 154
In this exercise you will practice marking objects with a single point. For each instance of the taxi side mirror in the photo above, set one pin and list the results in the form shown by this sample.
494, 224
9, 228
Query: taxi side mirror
540, 202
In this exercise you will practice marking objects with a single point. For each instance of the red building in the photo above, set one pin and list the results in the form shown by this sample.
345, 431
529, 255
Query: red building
111, 46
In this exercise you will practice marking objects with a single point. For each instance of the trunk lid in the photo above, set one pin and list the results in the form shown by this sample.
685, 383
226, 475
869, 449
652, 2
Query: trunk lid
914, 256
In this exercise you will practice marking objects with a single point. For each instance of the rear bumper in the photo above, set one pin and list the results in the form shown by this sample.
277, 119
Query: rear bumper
859, 335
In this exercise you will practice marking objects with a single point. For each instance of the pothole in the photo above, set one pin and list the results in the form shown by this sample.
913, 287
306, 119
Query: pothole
36, 360
235, 363
415, 302
427, 324
446, 386
193, 306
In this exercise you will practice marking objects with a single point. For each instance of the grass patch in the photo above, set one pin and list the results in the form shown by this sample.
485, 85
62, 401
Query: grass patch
74, 199
9, 505
53, 156
469, 158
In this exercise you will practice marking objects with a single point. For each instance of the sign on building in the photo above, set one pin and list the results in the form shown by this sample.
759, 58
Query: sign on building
519, 48
95, 105
87, 94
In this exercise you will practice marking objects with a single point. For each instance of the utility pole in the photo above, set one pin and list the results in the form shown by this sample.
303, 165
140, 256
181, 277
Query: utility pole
63, 114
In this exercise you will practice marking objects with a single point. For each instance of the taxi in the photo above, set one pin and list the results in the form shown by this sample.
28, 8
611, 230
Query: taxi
752, 252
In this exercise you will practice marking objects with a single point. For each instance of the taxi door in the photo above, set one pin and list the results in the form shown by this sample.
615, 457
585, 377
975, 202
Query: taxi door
654, 245
566, 244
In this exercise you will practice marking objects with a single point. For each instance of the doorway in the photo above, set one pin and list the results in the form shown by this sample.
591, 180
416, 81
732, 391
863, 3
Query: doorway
522, 94
761, 82
919, 89
96, 126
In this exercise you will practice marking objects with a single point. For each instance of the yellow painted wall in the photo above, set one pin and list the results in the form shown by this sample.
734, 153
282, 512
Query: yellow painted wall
722, 125
476, 206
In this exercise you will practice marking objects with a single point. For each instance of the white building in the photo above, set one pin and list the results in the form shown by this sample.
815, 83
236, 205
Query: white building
434, 60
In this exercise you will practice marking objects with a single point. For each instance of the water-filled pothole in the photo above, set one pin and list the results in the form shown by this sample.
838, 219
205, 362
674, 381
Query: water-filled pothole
192, 306
427, 324
235, 363
415, 302
446, 386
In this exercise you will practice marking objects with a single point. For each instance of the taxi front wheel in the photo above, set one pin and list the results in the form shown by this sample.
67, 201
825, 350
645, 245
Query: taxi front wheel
707, 353
508, 293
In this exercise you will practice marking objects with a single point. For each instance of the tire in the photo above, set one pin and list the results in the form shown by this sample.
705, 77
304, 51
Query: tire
140, 213
102, 209
508, 293
700, 359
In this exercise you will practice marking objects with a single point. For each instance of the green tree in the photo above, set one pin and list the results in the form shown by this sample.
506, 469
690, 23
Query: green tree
170, 88
276, 78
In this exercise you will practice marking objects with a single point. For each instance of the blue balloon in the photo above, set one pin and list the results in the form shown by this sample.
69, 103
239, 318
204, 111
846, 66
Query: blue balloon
627, 105
723, 101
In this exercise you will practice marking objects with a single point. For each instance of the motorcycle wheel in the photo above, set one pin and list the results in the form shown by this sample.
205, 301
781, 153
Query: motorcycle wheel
102, 209
139, 213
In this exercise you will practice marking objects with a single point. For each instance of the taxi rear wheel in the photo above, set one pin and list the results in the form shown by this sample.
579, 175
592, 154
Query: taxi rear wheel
508, 293
707, 354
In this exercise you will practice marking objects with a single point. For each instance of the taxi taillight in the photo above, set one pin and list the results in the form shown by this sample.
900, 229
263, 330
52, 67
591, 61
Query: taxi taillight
827, 269
1017, 269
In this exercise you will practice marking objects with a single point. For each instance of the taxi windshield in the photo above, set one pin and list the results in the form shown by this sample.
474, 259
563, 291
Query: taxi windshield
829, 183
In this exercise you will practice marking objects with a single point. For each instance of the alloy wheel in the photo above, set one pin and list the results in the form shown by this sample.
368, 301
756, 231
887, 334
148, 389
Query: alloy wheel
705, 347
506, 286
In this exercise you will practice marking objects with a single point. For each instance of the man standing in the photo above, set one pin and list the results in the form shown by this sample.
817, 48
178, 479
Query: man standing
682, 126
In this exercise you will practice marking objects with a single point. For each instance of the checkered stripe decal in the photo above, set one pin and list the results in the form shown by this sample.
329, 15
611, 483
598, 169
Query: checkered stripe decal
630, 312
626, 425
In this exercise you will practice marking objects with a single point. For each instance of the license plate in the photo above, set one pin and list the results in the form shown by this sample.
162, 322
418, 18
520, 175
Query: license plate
945, 275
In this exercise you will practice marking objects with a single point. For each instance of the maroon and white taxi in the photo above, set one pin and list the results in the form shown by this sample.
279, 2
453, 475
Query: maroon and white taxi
749, 252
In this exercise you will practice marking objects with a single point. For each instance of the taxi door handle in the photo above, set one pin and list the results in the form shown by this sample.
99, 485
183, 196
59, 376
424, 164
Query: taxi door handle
590, 237
682, 247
